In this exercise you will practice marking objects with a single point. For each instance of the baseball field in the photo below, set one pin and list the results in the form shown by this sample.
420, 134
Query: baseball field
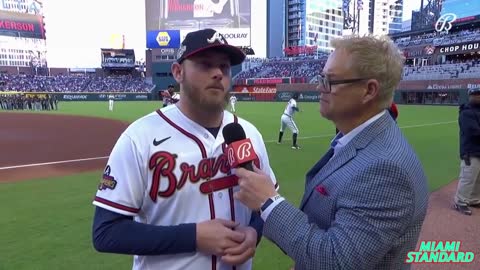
50, 166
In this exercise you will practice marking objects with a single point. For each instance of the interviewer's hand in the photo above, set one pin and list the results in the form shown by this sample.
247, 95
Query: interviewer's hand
215, 236
255, 187
245, 250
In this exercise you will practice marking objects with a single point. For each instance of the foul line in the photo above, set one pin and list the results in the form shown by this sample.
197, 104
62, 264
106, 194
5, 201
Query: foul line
51, 163
404, 127
268, 141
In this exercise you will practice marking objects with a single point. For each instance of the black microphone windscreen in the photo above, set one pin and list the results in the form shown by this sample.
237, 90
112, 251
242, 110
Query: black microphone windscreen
233, 132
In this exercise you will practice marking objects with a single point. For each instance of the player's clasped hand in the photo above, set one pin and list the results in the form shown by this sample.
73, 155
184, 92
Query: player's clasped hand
217, 235
243, 251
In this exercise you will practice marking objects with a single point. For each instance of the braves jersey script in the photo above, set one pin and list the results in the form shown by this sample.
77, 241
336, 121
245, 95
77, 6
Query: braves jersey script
289, 108
233, 99
167, 170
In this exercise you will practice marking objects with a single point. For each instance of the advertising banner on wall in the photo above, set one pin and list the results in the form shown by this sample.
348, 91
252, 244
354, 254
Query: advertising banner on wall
232, 18
459, 48
163, 39
439, 84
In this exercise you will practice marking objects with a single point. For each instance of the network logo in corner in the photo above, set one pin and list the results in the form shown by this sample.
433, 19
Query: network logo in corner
440, 252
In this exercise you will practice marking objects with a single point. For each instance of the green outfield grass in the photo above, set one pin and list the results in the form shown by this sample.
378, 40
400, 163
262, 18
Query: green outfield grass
46, 223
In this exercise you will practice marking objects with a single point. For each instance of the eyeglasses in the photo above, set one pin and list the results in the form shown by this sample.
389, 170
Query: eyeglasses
327, 84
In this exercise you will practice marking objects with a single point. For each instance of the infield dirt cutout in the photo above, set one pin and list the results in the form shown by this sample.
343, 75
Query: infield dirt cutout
63, 141
29, 138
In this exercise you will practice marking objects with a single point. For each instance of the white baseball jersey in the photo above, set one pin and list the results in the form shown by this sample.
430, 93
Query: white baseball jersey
176, 96
167, 170
292, 103
233, 99
111, 97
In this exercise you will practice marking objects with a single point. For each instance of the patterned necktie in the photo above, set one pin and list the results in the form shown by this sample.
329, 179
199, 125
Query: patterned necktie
335, 141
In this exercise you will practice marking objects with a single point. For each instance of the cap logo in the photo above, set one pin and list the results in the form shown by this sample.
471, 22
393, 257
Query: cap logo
217, 37
181, 50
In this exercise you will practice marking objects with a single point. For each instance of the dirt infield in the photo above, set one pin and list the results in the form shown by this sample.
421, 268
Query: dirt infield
27, 139
444, 224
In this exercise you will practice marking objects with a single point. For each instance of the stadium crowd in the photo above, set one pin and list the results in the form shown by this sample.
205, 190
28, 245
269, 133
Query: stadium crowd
439, 38
73, 83
303, 67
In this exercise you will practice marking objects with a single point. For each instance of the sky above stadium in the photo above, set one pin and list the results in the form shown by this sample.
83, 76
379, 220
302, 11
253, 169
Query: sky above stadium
76, 30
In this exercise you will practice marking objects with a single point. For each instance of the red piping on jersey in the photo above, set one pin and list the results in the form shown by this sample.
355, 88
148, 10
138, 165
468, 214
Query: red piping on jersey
116, 205
204, 155
230, 194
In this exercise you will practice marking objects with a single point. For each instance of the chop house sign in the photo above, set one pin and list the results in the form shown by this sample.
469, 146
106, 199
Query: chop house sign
460, 48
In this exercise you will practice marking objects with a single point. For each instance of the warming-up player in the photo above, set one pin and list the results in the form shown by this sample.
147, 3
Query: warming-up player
166, 95
166, 195
111, 100
233, 100
287, 121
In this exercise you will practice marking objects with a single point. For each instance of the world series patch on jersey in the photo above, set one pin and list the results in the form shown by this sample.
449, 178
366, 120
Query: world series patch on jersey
166, 170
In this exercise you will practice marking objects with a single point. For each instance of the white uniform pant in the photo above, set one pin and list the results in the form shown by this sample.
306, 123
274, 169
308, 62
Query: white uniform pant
110, 104
232, 105
287, 121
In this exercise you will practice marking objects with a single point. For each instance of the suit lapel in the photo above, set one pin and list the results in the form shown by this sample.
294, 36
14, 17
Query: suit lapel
326, 166
343, 156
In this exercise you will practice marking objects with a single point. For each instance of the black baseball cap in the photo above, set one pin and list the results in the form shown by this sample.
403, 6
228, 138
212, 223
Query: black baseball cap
205, 39
474, 91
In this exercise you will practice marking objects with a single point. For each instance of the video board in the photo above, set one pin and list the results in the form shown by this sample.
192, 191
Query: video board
232, 18
22, 25
118, 58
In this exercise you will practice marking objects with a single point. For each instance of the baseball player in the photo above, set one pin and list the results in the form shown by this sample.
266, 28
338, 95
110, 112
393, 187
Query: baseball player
166, 195
166, 95
175, 98
111, 99
287, 120
233, 100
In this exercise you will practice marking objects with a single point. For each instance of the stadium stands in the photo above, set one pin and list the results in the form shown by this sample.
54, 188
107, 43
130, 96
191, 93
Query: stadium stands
302, 67
73, 83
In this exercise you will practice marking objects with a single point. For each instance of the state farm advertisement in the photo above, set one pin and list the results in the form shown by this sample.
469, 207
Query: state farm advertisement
260, 89
255, 92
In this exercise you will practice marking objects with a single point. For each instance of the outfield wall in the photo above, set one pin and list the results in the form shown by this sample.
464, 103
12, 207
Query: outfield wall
81, 96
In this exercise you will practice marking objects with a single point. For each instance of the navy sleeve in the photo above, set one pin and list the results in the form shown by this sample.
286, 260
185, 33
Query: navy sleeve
469, 122
256, 222
296, 109
116, 233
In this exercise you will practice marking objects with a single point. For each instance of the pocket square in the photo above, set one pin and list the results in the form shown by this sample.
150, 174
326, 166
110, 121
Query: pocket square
322, 190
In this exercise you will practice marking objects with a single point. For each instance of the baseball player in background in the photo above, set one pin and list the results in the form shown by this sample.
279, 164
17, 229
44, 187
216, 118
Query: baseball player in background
166, 95
111, 99
287, 121
175, 98
233, 100
166, 195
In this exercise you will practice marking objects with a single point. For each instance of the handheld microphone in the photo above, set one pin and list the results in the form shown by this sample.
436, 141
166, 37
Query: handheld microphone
240, 152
